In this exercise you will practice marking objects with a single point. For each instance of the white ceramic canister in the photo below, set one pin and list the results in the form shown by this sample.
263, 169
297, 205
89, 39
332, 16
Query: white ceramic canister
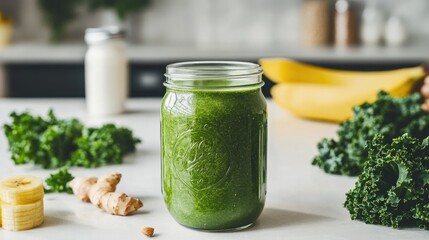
106, 71
372, 25
395, 32
344, 24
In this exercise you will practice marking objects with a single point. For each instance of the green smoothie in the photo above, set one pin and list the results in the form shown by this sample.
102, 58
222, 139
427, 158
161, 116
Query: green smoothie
214, 147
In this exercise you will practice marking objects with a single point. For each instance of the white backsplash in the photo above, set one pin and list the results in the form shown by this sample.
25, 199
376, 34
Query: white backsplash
206, 23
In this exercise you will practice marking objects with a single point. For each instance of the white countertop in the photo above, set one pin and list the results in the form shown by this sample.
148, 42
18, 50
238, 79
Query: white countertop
74, 53
302, 201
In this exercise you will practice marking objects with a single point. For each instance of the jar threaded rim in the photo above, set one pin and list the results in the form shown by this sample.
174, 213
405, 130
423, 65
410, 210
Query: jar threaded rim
209, 74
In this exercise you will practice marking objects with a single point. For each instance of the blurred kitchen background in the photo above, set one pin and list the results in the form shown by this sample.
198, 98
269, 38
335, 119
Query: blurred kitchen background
41, 57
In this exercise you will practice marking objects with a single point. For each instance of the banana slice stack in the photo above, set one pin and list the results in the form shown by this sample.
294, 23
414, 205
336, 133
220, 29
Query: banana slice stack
21, 203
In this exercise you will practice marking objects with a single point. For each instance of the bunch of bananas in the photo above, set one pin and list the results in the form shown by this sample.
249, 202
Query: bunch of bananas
21, 203
327, 94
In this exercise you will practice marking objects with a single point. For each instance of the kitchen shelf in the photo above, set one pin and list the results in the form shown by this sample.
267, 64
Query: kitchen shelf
74, 53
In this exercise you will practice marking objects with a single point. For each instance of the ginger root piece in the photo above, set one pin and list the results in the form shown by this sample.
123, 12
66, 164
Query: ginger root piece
101, 192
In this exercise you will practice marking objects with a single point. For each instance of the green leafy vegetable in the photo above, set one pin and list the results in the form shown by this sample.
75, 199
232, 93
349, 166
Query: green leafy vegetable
102, 146
122, 7
58, 182
46, 142
57, 15
57, 142
393, 189
388, 116
23, 136
54, 143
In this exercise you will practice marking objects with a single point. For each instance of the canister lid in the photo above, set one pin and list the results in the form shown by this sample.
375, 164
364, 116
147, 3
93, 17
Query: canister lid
342, 6
95, 35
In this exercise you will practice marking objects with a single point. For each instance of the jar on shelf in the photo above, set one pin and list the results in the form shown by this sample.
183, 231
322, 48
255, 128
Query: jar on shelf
395, 33
106, 71
214, 144
344, 24
315, 23
372, 25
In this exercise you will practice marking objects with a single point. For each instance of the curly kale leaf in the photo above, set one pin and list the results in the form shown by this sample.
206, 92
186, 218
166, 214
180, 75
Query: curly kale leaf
393, 189
53, 143
23, 137
102, 146
58, 142
59, 182
388, 116
46, 142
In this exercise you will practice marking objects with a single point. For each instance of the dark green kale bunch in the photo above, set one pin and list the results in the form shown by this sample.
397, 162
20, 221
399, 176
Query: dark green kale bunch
102, 146
58, 142
54, 143
393, 189
46, 142
388, 116
59, 182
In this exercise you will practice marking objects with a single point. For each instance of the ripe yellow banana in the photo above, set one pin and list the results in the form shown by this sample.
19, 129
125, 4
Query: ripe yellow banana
21, 203
21, 190
22, 217
281, 70
331, 102
327, 94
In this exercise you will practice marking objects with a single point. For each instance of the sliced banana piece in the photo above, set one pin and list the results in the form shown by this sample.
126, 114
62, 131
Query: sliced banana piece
22, 217
21, 190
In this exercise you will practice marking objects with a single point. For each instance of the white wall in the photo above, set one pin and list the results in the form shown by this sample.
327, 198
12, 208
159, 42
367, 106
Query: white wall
227, 23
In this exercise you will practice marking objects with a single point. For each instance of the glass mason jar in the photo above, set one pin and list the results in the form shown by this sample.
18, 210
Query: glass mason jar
214, 144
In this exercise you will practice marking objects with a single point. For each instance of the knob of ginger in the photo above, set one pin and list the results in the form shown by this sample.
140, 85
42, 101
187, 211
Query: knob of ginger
101, 192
